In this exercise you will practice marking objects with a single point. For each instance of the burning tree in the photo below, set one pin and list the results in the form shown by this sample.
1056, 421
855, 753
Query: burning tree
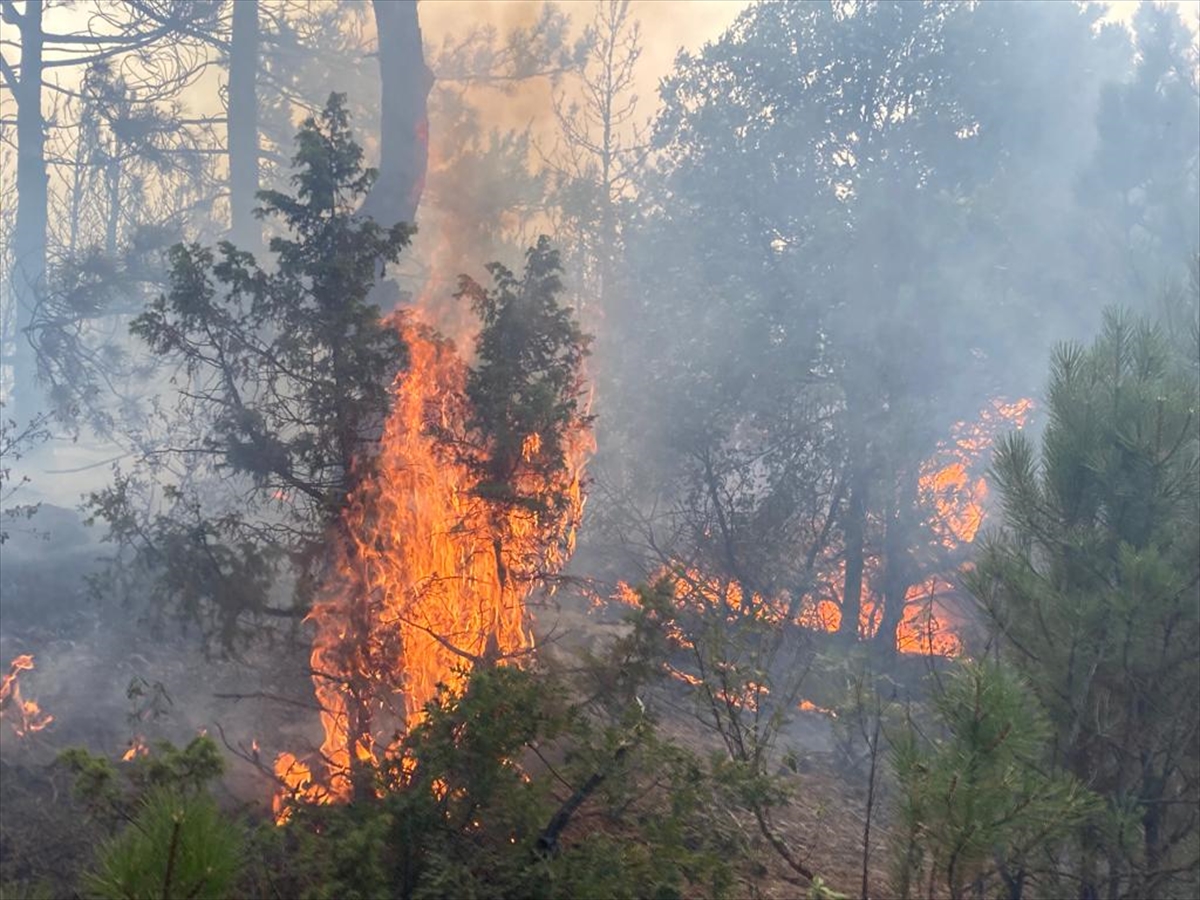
283, 379
474, 498
526, 394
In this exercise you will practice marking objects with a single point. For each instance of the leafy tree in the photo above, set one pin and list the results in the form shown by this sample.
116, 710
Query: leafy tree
1091, 589
844, 167
285, 378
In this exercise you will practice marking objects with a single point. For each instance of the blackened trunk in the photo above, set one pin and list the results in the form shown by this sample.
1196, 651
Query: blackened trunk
405, 82
854, 529
897, 579
242, 127
29, 237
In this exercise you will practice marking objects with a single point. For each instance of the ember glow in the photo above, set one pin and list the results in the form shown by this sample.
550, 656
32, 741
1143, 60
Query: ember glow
430, 580
25, 716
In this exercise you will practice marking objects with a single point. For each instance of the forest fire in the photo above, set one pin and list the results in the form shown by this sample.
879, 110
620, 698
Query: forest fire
952, 491
137, 747
25, 716
431, 577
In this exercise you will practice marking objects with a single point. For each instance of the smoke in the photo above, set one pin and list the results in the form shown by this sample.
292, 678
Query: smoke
689, 327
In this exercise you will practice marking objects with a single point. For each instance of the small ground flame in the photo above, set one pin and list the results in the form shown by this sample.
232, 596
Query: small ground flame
25, 716
137, 747
952, 490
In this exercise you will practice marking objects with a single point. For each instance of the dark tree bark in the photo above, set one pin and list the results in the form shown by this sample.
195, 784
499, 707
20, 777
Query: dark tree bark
854, 529
405, 82
29, 238
242, 133
897, 563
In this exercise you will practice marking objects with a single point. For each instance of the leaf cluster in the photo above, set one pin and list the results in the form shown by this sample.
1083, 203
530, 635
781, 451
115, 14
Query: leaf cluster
113, 792
526, 385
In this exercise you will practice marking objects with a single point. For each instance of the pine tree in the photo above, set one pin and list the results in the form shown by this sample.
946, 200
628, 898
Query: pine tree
1091, 588
970, 808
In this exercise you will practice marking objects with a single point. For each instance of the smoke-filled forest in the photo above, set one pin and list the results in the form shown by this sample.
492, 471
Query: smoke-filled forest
599, 449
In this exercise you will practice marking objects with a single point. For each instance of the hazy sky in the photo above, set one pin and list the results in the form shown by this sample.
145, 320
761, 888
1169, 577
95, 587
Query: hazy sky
667, 26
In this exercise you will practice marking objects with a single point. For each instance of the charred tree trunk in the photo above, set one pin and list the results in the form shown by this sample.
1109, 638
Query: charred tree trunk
242, 127
405, 82
897, 571
29, 237
854, 528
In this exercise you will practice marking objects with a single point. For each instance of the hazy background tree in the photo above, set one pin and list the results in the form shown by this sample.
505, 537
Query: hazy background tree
405, 82
852, 299
112, 32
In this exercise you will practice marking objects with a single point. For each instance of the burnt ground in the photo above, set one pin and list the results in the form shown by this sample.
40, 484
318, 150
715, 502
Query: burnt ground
88, 653
822, 822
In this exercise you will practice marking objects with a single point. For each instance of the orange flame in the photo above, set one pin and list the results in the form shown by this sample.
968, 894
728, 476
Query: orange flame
809, 706
296, 786
950, 488
430, 579
28, 716
137, 747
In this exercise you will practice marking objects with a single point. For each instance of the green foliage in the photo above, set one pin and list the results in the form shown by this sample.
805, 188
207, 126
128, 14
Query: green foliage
970, 799
512, 788
111, 791
177, 845
1091, 590
284, 379
175, 842
526, 384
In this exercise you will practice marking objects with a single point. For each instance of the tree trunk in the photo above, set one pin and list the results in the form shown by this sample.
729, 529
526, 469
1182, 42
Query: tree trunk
405, 82
897, 578
29, 237
112, 187
242, 127
854, 529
